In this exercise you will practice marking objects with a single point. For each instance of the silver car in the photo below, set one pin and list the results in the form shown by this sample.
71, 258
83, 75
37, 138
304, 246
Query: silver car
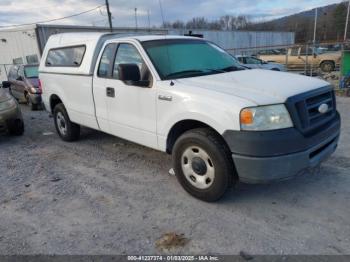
11, 120
256, 63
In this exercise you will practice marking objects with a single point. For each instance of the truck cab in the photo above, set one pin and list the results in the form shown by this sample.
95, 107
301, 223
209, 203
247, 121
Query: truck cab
301, 58
189, 98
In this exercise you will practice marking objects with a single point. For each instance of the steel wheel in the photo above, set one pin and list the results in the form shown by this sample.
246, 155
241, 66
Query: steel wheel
198, 167
61, 123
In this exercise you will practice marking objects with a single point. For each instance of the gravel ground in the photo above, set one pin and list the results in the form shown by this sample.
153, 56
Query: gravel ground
103, 195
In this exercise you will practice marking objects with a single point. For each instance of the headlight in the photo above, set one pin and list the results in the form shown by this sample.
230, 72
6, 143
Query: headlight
264, 118
7, 104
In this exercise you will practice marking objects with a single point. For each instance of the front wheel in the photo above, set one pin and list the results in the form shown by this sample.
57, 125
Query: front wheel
203, 164
66, 129
327, 66
16, 128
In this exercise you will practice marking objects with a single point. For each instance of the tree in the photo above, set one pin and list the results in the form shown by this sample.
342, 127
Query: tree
339, 15
197, 23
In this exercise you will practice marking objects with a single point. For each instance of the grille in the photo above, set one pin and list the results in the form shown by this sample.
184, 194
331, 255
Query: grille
304, 109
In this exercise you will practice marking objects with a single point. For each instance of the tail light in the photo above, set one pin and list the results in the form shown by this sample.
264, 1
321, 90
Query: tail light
40, 87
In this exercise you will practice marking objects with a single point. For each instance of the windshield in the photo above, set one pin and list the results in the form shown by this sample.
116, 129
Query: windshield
180, 58
31, 71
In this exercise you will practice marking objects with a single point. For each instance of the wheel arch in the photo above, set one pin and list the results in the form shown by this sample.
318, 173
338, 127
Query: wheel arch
327, 61
183, 126
54, 100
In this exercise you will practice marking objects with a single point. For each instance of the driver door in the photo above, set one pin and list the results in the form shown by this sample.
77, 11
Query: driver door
131, 110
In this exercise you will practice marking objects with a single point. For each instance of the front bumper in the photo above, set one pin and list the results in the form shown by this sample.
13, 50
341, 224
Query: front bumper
8, 118
263, 157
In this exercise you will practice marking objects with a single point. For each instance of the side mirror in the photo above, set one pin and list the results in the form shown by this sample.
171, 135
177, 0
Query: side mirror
19, 78
264, 62
6, 84
315, 55
130, 75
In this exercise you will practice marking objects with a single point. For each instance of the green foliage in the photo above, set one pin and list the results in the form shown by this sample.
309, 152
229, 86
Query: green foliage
339, 15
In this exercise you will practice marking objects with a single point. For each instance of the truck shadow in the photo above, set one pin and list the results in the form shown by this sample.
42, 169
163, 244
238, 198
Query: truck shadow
310, 183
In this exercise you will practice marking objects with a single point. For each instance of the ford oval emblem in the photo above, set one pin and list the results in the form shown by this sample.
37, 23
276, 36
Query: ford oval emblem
323, 108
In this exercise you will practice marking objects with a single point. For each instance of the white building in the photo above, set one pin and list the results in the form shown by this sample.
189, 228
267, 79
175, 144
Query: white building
25, 44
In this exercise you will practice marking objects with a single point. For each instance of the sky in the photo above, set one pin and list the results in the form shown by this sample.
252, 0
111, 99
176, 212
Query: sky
13, 12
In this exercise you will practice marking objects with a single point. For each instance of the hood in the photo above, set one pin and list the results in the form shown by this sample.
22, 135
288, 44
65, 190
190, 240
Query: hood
4, 95
261, 87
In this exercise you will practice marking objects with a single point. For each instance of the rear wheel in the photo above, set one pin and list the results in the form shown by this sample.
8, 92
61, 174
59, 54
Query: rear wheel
327, 66
66, 129
203, 164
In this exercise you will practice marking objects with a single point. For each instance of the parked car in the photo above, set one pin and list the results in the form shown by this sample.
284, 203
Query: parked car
256, 63
25, 85
189, 98
10, 113
298, 56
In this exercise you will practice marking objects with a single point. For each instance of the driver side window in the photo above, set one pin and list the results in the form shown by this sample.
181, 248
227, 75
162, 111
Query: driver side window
128, 54
251, 60
294, 51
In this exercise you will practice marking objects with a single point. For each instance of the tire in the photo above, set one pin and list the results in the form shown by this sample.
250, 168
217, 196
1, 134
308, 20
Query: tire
67, 130
16, 128
327, 66
32, 106
203, 164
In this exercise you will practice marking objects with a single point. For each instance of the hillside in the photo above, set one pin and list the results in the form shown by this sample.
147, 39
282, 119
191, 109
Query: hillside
330, 26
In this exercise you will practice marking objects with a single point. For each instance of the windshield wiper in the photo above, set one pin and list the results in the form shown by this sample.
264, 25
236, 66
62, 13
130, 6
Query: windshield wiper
184, 72
232, 68
206, 71
216, 70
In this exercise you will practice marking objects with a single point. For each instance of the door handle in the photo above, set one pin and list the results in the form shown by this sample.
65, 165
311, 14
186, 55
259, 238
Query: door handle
110, 92
165, 98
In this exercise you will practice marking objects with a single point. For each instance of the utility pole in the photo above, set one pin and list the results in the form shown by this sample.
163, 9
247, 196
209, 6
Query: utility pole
109, 17
149, 20
315, 26
314, 43
346, 23
135, 17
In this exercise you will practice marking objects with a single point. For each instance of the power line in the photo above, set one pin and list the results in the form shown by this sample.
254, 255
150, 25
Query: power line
52, 20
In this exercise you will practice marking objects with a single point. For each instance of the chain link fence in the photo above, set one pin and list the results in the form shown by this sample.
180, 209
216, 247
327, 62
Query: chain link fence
321, 60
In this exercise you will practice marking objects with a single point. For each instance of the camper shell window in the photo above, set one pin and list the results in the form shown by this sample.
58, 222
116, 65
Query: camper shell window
71, 56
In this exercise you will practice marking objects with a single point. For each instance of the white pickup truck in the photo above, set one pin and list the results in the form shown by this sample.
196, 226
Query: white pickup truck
189, 98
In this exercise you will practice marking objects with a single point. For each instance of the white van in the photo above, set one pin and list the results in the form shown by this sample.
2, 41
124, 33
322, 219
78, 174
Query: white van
189, 98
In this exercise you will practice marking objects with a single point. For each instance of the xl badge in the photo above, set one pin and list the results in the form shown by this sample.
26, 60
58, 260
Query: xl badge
323, 108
